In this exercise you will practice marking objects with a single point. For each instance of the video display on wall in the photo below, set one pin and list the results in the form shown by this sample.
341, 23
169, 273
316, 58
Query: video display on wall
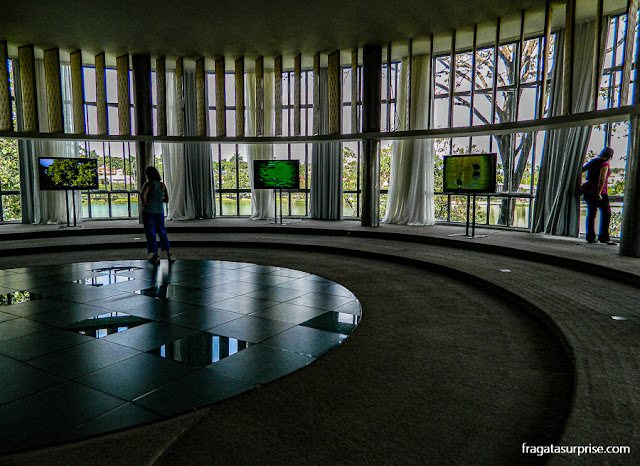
469, 173
276, 174
67, 173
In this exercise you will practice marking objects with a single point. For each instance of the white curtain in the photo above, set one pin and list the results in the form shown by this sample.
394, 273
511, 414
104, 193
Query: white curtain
557, 206
326, 171
410, 199
51, 206
262, 205
173, 162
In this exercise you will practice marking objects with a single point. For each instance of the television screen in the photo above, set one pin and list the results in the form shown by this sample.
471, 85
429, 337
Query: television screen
67, 173
469, 173
278, 174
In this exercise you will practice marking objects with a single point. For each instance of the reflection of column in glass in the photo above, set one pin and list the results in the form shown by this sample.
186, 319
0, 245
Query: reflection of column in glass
224, 347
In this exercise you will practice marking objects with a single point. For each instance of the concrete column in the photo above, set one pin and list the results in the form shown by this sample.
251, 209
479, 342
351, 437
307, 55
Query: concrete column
630, 234
371, 92
143, 115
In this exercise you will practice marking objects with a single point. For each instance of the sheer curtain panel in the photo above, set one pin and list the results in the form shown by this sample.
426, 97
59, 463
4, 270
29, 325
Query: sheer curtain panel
410, 199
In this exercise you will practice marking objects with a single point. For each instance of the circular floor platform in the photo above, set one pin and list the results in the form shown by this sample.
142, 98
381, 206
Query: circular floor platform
93, 347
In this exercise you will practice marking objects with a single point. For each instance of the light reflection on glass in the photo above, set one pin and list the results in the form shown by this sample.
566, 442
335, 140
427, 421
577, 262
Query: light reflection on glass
201, 350
106, 324
106, 279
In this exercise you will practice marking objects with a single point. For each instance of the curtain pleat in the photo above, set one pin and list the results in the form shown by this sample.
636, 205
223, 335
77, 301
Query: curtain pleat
326, 159
262, 205
410, 199
173, 159
557, 204
199, 202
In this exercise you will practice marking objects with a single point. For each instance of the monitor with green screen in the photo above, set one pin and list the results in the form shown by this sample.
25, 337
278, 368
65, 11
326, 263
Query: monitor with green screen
67, 173
276, 174
469, 173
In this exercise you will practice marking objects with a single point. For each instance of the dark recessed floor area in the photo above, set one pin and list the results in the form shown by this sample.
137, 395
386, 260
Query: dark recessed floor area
91, 347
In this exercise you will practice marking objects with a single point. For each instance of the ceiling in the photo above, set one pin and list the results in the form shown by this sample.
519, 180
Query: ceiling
249, 28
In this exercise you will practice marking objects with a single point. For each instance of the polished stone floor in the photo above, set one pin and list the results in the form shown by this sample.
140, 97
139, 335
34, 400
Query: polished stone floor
89, 348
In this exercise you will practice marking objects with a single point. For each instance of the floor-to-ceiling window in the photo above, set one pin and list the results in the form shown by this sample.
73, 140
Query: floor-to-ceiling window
117, 196
614, 135
495, 85
9, 167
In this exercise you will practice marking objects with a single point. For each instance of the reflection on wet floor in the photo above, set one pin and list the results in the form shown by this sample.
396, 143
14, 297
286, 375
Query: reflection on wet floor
107, 279
201, 350
106, 324
17, 297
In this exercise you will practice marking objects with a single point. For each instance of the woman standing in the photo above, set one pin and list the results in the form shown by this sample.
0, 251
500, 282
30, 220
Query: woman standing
598, 172
154, 195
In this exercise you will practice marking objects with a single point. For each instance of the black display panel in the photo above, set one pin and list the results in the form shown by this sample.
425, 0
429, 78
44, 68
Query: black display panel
67, 173
469, 173
276, 174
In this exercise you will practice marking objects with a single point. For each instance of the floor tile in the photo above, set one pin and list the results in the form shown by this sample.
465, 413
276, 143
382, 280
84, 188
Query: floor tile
167, 291
277, 294
20, 380
203, 297
83, 359
6, 361
305, 285
6, 446
195, 390
260, 364
39, 344
127, 415
4, 317
290, 273
30, 308
200, 349
352, 307
239, 288
136, 376
320, 301
251, 329
305, 340
203, 318
17, 328
244, 304
158, 309
123, 302
67, 314
265, 279
206, 281
149, 336
36, 418
332, 321
291, 313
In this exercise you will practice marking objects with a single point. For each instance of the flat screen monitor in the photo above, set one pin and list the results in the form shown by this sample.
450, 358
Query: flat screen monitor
469, 173
67, 173
276, 174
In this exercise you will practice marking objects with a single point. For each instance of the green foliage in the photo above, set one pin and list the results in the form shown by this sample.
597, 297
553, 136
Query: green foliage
10, 179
